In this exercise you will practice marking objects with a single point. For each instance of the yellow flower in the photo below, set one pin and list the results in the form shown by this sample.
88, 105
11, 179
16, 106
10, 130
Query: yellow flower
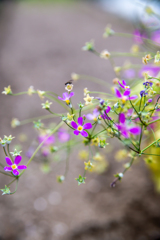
135, 49
88, 166
88, 100
40, 94
95, 141
15, 122
146, 58
105, 54
7, 91
121, 155
31, 90
83, 155
74, 76
100, 167
98, 157
70, 117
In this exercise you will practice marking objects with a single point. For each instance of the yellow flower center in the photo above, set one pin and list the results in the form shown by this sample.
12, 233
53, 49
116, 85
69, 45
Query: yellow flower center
67, 101
127, 87
14, 166
69, 87
123, 99
89, 99
80, 128
95, 119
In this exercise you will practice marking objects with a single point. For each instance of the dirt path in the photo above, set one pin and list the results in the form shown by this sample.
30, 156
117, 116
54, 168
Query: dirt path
41, 46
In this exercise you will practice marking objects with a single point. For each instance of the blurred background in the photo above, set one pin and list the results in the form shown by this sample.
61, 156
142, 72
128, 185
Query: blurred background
40, 46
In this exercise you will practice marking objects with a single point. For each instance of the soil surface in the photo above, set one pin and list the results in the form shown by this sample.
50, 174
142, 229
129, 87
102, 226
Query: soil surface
40, 45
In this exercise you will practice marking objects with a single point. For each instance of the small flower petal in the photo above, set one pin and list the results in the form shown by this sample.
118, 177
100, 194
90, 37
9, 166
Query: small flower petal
21, 167
8, 161
118, 94
125, 134
133, 97
71, 94
80, 121
15, 172
124, 83
121, 85
65, 95
108, 109
76, 132
87, 126
126, 93
60, 98
90, 116
74, 125
84, 133
135, 130
9, 169
122, 118
17, 159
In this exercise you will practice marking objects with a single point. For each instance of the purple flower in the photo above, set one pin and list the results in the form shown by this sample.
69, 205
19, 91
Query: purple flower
123, 85
105, 116
93, 116
147, 84
66, 97
80, 127
138, 36
101, 101
125, 95
126, 129
50, 140
13, 166
63, 135
151, 70
129, 73
143, 93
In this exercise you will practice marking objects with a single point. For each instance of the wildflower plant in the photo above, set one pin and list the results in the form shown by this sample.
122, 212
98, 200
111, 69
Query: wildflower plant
129, 114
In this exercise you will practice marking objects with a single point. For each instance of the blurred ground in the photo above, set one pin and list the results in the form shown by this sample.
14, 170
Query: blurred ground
41, 46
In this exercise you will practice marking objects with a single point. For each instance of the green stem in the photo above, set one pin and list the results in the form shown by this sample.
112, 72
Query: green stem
9, 153
17, 94
6, 174
149, 145
5, 151
11, 182
15, 188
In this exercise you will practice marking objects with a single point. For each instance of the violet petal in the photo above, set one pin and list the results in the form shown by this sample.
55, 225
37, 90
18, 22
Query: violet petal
108, 109
122, 118
135, 130
17, 159
76, 132
133, 97
8, 161
124, 83
125, 134
21, 167
87, 126
118, 94
127, 92
65, 96
90, 116
121, 85
74, 125
80, 121
60, 98
71, 94
84, 133
9, 169
15, 172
